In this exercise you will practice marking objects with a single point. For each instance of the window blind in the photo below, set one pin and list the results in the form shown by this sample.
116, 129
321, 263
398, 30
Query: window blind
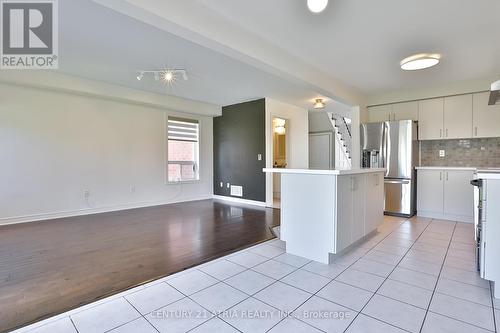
181, 129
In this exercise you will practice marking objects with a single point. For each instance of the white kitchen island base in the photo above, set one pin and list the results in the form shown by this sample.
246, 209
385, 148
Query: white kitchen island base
324, 212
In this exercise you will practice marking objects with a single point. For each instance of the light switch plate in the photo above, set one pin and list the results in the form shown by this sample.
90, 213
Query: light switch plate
442, 153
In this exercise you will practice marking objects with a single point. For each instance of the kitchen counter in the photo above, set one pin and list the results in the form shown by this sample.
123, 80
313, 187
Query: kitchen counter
325, 212
446, 168
325, 172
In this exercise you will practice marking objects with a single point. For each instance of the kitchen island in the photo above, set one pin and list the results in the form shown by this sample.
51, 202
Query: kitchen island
324, 212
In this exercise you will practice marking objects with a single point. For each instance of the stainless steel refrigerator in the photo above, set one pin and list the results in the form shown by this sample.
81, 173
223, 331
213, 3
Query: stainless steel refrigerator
393, 145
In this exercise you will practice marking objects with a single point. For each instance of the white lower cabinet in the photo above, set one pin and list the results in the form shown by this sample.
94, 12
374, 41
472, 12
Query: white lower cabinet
445, 194
360, 207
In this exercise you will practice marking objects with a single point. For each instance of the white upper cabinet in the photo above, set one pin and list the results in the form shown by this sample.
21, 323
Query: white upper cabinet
380, 113
405, 111
430, 119
486, 118
458, 117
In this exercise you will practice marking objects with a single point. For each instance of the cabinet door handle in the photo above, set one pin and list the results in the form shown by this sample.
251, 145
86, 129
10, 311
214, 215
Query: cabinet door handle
447, 175
440, 133
475, 131
446, 132
440, 176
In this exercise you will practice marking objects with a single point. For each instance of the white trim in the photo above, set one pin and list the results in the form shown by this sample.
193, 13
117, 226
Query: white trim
448, 217
238, 200
89, 211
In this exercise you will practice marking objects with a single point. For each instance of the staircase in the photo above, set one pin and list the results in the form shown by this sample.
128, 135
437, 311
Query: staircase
343, 145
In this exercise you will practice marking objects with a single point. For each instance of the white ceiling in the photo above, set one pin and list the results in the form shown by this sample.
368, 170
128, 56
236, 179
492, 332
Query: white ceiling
101, 44
361, 42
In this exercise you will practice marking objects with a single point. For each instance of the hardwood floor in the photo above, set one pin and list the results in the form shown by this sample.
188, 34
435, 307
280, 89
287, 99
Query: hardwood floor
49, 267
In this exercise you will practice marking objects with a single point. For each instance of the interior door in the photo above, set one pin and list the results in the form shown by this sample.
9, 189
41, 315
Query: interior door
321, 151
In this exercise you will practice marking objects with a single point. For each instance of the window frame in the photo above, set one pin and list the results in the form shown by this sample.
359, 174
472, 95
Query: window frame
198, 151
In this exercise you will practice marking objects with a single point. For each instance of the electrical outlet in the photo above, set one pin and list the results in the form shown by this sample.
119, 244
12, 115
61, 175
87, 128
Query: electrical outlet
221, 184
86, 194
228, 185
259, 157
132, 189
442, 153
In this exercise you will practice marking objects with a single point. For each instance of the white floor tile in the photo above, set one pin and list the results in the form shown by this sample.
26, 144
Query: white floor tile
385, 258
469, 312
307, 281
222, 269
325, 315
497, 319
431, 257
247, 259
420, 266
435, 323
105, 317
154, 297
346, 295
406, 293
139, 325
464, 276
252, 316
391, 249
249, 282
465, 265
464, 291
282, 296
292, 325
361, 280
218, 297
278, 243
59, 326
292, 260
214, 326
267, 251
373, 267
414, 278
396, 313
274, 269
365, 324
192, 282
330, 271
178, 317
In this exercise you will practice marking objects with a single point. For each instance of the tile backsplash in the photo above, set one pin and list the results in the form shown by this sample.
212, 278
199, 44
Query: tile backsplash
461, 153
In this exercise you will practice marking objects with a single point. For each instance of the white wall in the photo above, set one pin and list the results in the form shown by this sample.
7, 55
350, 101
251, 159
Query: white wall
298, 136
55, 145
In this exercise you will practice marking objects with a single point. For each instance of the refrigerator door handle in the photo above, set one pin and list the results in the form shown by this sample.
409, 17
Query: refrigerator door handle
397, 181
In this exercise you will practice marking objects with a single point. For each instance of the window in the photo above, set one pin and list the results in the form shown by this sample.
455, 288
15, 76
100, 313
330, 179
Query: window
183, 149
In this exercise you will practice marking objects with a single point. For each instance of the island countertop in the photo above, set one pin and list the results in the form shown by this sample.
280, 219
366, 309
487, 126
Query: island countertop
338, 172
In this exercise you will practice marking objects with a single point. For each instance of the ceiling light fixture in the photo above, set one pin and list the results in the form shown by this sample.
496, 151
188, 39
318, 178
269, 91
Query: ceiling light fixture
317, 6
168, 75
319, 104
420, 61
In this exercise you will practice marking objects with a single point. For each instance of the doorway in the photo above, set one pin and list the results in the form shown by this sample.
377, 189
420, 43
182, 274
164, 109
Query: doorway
280, 126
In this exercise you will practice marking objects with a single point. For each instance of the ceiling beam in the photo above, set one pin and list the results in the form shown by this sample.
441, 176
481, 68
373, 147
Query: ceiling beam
199, 24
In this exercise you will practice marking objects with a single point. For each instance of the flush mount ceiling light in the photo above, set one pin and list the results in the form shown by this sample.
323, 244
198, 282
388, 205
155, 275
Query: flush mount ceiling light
420, 61
168, 75
319, 104
317, 6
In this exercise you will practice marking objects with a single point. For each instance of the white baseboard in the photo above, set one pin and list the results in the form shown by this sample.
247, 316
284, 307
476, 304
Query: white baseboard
447, 217
238, 200
89, 211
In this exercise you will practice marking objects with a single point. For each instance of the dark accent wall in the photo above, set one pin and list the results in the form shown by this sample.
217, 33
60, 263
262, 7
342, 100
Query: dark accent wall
239, 136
